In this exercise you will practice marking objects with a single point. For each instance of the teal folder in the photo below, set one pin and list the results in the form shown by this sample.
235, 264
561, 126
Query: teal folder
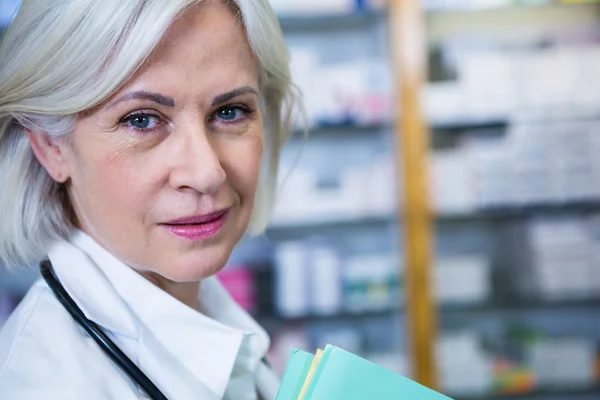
341, 375
295, 373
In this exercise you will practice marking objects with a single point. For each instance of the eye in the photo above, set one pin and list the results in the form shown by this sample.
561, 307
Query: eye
232, 113
142, 121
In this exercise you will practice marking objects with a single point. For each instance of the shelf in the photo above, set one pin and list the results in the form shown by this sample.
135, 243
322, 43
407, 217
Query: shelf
508, 212
343, 129
328, 20
332, 220
511, 306
496, 213
509, 6
469, 125
516, 305
542, 394
341, 316
502, 123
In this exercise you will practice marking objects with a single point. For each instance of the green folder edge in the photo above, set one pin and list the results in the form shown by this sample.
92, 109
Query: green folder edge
299, 365
322, 363
423, 391
295, 374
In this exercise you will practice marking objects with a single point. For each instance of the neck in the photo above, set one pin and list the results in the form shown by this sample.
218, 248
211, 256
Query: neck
186, 292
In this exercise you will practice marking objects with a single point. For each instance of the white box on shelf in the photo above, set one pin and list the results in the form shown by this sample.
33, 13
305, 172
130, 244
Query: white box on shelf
376, 103
371, 282
487, 78
563, 256
304, 65
382, 186
493, 172
293, 194
588, 85
572, 279
463, 279
326, 279
445, 101
532, 152
564, 362
354, 186
463, 366
340, 91
451, 182
291, 279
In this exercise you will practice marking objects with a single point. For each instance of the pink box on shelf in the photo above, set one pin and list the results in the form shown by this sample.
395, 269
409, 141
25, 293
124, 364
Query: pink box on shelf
239, 282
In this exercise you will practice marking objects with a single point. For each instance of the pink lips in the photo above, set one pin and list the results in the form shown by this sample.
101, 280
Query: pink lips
197, 227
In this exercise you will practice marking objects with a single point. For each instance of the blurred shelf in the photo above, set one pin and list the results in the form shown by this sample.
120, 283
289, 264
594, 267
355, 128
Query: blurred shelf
541, 394
509, 306
514, 304
331, 220
469, 125
495, 213
522, 118
506, 212
340, 316
341, 129
510, 6
328, 20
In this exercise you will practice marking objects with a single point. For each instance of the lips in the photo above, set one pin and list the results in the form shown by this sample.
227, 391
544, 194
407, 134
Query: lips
197, 227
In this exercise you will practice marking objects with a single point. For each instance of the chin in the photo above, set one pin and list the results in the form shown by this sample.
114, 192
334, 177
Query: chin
195, 269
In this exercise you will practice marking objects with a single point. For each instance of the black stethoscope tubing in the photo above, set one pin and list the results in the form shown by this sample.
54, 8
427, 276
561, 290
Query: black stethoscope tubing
104, 342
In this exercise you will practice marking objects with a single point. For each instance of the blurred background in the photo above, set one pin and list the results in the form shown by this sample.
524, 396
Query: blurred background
512, 171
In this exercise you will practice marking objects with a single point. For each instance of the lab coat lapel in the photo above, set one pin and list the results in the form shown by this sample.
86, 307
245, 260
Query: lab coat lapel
93, 290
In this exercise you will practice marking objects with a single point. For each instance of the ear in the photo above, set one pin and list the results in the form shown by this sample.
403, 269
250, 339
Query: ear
51, 154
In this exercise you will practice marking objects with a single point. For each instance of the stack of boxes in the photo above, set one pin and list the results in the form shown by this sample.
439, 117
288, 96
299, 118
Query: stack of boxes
498, 83
357, 92
312, 278
464, 368
463, 279
469, 367
358, 191
565, 257
531, 164
563, 362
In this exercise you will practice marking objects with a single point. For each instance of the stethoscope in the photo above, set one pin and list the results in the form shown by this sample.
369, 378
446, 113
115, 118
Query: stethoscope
106, 344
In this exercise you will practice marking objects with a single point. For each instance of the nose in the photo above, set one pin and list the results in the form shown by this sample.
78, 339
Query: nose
196, 163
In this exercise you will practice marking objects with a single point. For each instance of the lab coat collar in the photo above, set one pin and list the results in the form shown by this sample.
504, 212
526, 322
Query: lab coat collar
123, 302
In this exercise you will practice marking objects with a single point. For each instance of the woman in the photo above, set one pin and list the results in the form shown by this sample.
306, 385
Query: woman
139, 141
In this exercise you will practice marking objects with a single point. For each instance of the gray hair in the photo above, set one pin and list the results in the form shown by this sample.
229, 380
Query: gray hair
62, 57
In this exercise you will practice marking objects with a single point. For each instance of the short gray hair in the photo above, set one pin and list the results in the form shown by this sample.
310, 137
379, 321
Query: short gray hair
62, 57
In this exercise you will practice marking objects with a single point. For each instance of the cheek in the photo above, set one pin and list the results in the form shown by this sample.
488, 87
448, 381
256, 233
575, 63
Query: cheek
242, 164
104, 173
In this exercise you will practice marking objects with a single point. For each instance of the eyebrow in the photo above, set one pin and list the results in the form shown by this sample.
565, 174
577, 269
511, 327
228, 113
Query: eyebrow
225, 97
142, 95
169, 102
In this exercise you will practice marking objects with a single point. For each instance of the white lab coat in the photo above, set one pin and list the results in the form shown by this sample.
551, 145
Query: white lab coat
45, 355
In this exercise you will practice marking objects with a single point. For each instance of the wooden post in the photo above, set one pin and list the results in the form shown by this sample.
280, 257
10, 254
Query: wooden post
409, 52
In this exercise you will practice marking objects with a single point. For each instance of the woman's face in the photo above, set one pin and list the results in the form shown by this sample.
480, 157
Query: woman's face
163, 175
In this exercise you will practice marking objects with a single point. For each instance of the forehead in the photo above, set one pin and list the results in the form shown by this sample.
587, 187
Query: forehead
205, 45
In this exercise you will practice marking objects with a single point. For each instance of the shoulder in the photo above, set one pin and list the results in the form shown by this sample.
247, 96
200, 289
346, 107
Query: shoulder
42, 351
